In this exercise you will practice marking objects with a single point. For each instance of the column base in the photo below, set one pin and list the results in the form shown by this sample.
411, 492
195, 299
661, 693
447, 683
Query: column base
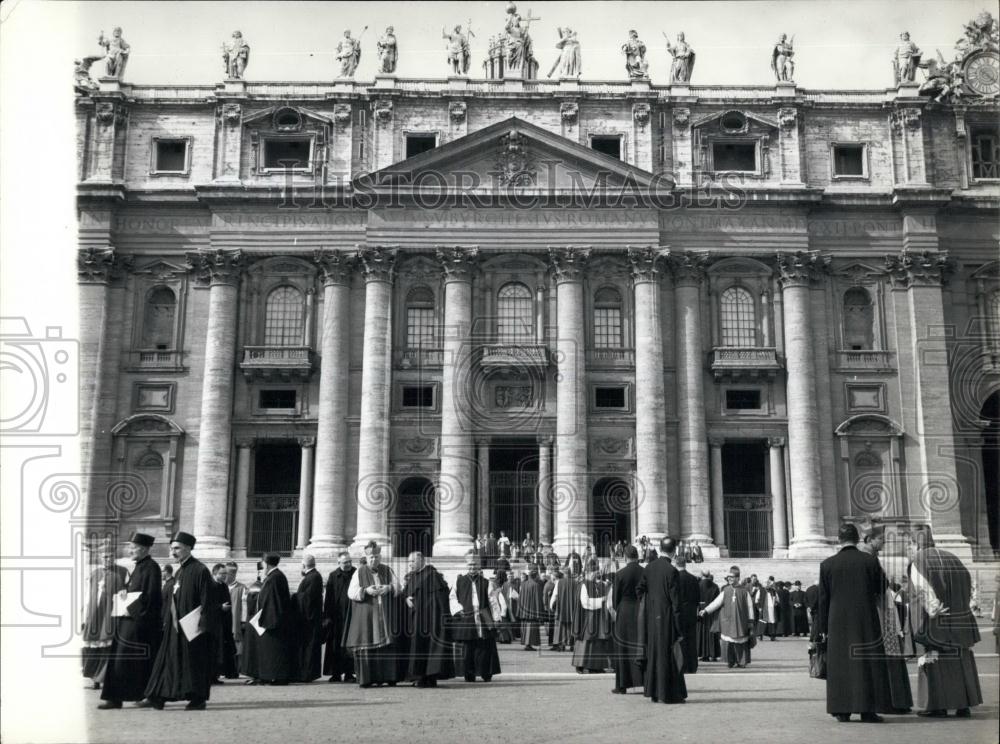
211, 546
567, 543
779, 553
454, 545
322, 546
811, 546
712, 552
358, 546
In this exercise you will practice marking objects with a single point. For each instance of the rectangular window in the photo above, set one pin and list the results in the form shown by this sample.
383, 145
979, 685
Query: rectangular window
277, 399
607, 328
287, 152
609, 144
420, 327
984, 143
170, 156
418, 396
849, 161
743, 400
609, 397
418, 143
734, 156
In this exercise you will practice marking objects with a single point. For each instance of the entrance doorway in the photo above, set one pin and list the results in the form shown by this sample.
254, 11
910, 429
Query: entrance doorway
513, 486
274, 503
747, 503
411, 525
611, 507
991, 468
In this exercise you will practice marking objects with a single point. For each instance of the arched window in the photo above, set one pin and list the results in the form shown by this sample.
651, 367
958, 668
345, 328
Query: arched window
158, 319
859, 317
515, 321
739, 322
607, 319
420, 318
284, 317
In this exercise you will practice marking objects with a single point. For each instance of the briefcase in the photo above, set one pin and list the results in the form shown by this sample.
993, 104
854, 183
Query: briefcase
817, 661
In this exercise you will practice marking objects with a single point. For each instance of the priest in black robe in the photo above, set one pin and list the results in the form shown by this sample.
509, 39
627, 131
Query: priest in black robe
549, 588
250, 655
812, 605
531, 609
166, 590
222, 633
594, 643
664, 677
375, 635
337, 662
431, 653
800, 617
851, 588
309, 602
139, 628
276, 615
709, 647
473, 625
183, 666
786, 623
689, 593
628, 651
565, 603
99, 627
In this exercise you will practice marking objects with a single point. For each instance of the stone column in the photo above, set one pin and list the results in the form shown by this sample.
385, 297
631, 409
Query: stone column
689, 273
454, 495
544, 492
483, 510
718, 500
244, 452
650, 496
373, 488
570, 493
220, 269
797, 272
330, 494
308, 445
776, 446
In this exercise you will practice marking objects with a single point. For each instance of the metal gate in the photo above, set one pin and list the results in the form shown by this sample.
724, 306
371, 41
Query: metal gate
274, 523
748, 525
513, 503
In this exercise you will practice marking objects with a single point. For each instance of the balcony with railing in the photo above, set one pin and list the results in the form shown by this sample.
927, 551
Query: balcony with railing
515, 354
156, 359
284, 363
612, 358
745, 361
419, 358
866, 360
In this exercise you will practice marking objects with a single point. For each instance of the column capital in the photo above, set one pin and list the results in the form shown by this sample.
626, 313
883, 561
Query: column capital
716, 441
457, 261
688, 267
100, 265
918, 269
801, 268
335, 267
773, 442
306, 442
482, 441
217, 266
378, 262
545, 440
246, 443
647, 262
569, 263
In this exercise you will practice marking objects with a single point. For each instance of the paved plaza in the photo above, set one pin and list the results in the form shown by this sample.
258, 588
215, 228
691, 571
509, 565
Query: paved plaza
540, 697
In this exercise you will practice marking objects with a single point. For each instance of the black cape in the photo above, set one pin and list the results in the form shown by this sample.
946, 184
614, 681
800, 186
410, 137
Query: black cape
336, 620
431, 654
276, 647
309, 602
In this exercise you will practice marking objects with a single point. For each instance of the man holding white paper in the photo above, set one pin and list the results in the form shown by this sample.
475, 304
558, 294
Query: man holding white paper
183, 667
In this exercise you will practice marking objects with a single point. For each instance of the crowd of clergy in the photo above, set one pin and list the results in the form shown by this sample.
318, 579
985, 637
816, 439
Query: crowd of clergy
153, 636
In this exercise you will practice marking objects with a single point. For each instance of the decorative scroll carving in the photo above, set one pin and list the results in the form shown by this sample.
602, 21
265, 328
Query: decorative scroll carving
640, 113
215, 267
801, 268
646, 263
458, 262
569, 111
569, 264
377, 262
457, 110
515, 162
335, 267
926, 268
688, 267
99, 265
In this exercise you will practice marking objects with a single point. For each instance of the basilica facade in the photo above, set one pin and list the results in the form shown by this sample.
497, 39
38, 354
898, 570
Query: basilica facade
315, 314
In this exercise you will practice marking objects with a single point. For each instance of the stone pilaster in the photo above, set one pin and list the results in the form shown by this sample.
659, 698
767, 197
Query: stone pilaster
220, 270
228, 140
308, 445
454, 496
798, 271
374, 490
570, 487
244, 455
106, 163
689, 274
776, 446
483, 484
544, 491
329, 533
907, 135
650, 414
718, 499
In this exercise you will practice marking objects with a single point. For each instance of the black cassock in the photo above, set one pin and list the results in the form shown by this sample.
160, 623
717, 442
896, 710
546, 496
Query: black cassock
137, 639
309, 603
337, 662
800, 620
250, 657
709, 646
812, 604
223, 641
183, 669
690, 595
786, 623
431, 653
276, 648
473, 627
629, 653
851, 585
663, 681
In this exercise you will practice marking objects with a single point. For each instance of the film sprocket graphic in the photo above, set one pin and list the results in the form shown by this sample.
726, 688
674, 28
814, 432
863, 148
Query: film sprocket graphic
40, 378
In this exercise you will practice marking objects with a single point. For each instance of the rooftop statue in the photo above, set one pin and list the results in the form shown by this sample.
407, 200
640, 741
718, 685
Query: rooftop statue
981, 34
905, 60
781, 59
81, 71
116, 51
635, 57
683, 64
458, 49
568, 63
236, 55
349, 53
388, 54
943, 81
520, 56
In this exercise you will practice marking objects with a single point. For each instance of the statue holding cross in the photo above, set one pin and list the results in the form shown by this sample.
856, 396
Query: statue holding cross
520, 58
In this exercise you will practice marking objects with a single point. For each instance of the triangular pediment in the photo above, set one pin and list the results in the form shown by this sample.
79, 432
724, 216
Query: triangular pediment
511, 155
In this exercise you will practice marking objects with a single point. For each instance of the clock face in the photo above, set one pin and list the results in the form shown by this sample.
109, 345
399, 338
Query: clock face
982, 73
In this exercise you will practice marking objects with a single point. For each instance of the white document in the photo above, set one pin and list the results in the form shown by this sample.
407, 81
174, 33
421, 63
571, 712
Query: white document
255, 624
122, 602
189, 624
